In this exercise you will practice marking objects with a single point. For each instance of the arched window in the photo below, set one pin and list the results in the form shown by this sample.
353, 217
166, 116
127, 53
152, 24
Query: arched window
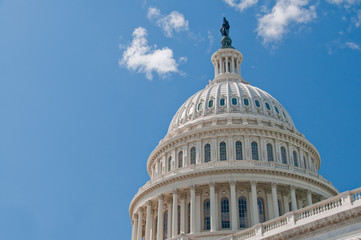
242, 212
180, 159
254, 147
207, 215
193, 155
207, 153
269, 152
283, 155
295, 159
169, 163
225, 213
222, 151
260, 205
305, 162
165, 225
239, 154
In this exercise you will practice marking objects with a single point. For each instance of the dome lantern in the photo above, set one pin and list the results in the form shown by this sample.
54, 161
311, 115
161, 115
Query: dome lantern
227, 60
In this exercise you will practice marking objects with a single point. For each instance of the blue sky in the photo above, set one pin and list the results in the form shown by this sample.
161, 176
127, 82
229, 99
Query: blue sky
82, 108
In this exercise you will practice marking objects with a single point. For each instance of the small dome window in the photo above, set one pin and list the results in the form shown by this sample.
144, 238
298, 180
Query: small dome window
267, 106
222, 102
200, 105
284, 114
210, 104
278, 112
234, 101
246, 102
257, 103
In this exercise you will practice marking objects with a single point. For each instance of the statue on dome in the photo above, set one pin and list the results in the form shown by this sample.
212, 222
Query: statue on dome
225, 28
226, 40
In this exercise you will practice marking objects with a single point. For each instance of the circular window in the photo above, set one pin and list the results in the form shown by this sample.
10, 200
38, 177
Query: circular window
210, 104
234, 101
246, 102
267, 106
277, 110
222, 102
257, 103
200, 106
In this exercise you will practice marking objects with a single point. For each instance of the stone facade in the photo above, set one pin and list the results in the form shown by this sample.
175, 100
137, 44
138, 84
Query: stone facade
232, 161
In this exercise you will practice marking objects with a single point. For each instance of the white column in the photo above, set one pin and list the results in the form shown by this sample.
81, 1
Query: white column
255, 218
309, 197
227, 70
193, 209
274, 199
148, 220
213, 207
135, 227
221, 65
239, 67
160, 218
198, 212
140, 225
182, 215
232, 66
169, 226
233, 204
293, 198
175, 214
285, 203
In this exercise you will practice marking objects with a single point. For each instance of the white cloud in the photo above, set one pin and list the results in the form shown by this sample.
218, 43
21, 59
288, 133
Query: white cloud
273, 26
241, 4
173, 22
345, 3
353, 46
143, 58
357, 19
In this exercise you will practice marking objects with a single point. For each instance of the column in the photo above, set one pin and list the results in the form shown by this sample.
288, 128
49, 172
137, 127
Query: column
255, 218
175, 213
160, 218
135, 227
169, 226
213, 207
309, 197
148, 220
293, 198
193, 209
140, 224
182, 215
232, 66
233, 205
239, 67
274, 199
227, 70
221, 65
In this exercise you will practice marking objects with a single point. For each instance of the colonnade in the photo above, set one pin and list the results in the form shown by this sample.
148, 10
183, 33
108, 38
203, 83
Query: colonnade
227, 64
166, 210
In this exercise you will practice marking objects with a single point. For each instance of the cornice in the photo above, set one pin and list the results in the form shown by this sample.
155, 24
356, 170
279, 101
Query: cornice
206, 172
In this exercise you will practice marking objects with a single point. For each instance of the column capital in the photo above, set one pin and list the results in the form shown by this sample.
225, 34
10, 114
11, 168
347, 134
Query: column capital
273, 185
149, 203
232, 183
293, 188
175, 191
192, 187
160, 197
212, 184
182, 196
135, 216
253, 183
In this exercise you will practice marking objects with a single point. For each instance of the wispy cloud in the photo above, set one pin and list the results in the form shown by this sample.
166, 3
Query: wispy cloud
173, 22
210, 39
352, 46
241, 5
141, 57
273, 26
345, 3
357, 19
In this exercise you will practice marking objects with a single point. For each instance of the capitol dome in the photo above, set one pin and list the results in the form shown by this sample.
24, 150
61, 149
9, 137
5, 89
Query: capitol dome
232, 158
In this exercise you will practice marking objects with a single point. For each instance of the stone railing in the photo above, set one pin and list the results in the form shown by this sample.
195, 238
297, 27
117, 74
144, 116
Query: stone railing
246, 164
312, 213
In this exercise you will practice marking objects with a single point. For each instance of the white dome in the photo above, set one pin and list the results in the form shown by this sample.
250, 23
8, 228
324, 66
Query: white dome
232, 97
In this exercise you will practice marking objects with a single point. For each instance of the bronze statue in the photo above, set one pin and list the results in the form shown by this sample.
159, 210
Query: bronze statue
225, 28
